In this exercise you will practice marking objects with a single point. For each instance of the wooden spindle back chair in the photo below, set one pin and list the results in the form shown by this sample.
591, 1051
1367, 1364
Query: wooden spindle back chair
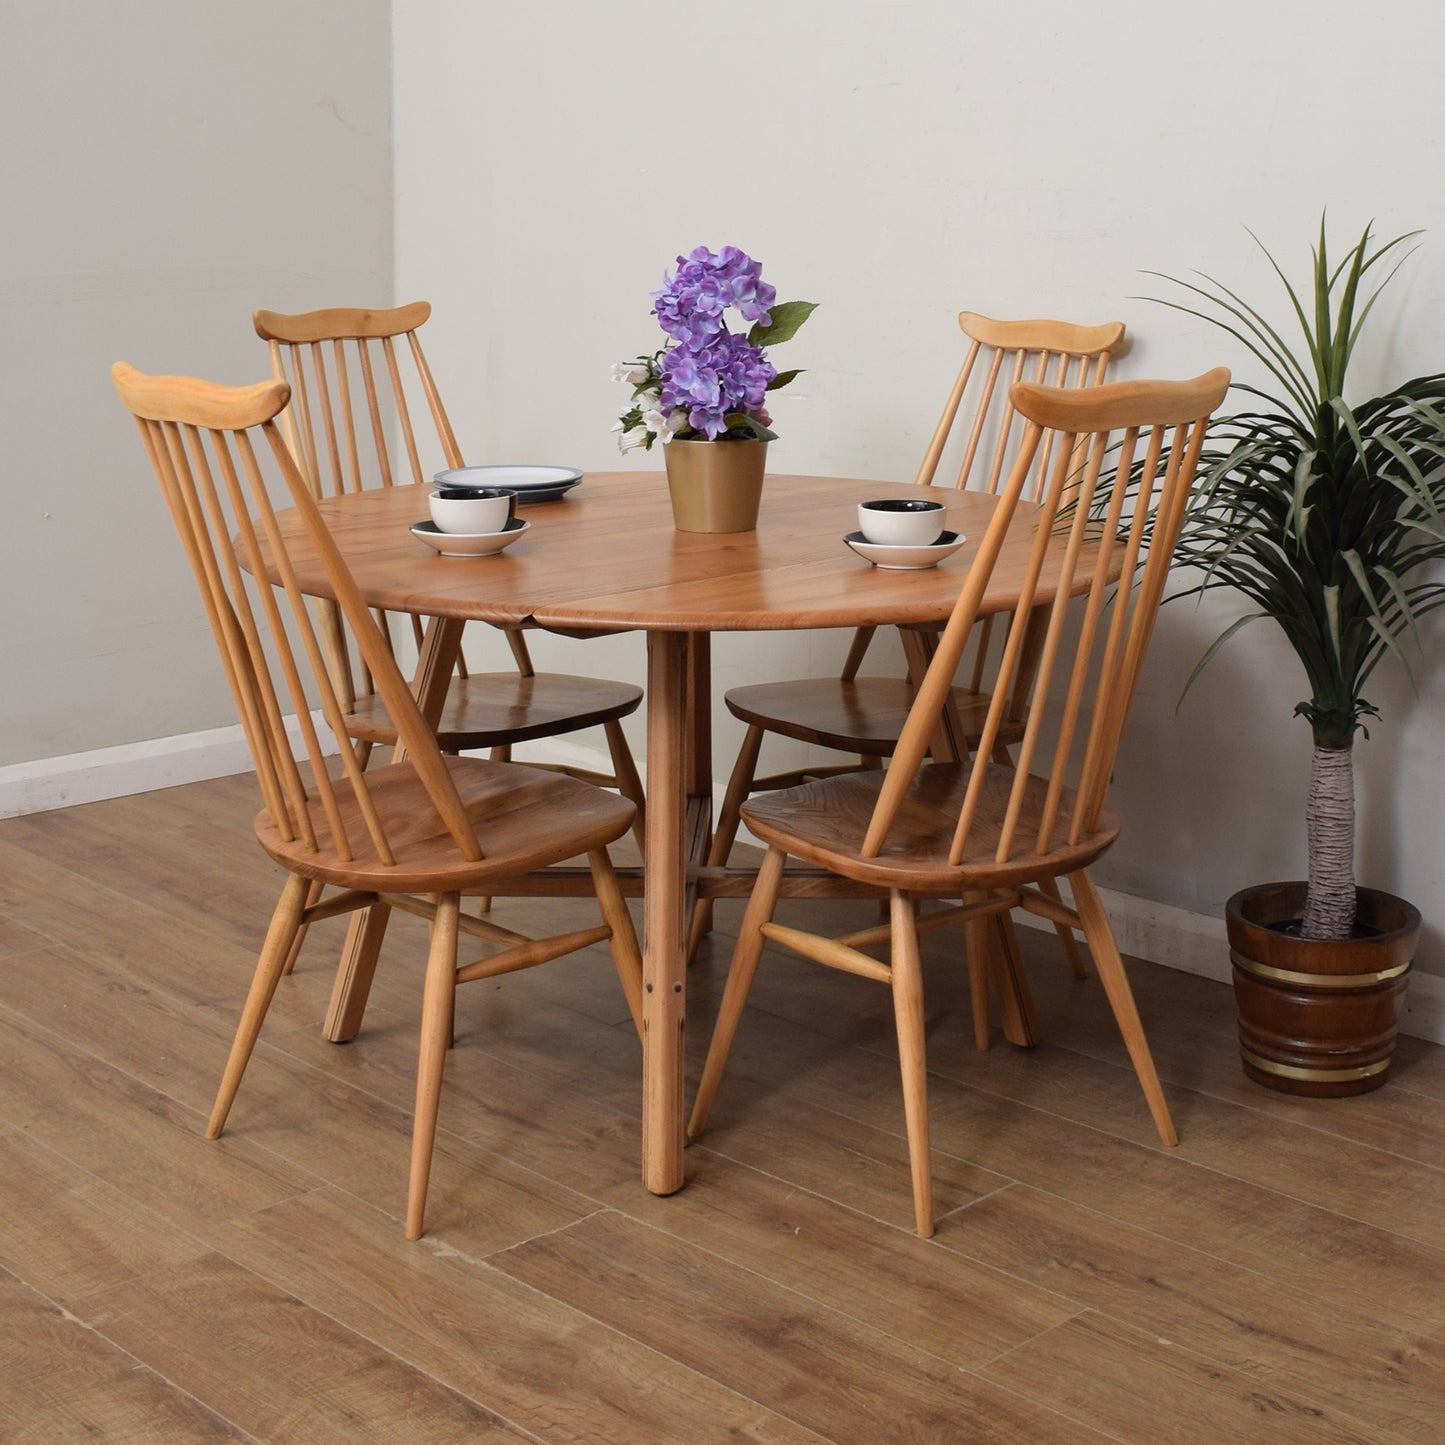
988, 830
415, 834
862, 715
366, 412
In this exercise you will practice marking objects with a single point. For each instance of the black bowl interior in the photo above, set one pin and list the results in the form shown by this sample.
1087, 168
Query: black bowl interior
909, 504
471, 494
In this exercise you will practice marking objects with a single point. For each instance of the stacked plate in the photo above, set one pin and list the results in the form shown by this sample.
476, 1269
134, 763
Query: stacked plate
530, 483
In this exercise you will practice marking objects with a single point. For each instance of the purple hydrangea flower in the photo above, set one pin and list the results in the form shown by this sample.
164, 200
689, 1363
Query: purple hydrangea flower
706, 373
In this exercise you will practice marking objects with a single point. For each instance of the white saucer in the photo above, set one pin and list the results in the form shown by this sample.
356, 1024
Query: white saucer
468, 544
905, 559
530, 483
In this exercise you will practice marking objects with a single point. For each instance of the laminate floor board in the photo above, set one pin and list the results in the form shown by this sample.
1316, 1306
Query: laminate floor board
313, 1117
148, 855
67, 1233
61, 906
1279, 1146
16, 938
1281, 1149
551, 1368
821, 1369
1275, 1331
279, 1369
1140, 1183
1091, 1367
1193, 1034
888, 1279
64, 1381
135, 1138
1276, 1271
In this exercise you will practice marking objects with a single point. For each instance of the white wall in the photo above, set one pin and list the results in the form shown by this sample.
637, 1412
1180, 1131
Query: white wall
899, 162
169, 166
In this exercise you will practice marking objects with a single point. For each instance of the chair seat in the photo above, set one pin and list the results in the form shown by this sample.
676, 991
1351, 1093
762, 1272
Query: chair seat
494, 709
824, 823
865, 715
525, 819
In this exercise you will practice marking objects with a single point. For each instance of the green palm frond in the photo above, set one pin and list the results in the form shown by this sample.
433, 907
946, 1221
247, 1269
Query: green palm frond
1322, 513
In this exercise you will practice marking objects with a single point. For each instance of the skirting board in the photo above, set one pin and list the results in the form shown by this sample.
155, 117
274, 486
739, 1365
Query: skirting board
129, 768
1174, 937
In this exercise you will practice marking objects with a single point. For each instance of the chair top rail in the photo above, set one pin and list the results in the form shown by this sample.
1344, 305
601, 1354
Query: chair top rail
349, 322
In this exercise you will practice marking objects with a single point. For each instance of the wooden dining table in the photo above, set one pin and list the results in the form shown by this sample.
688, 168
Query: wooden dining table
608, 558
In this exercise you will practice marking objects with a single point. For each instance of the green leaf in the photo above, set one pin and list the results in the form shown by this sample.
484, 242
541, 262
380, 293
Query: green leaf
787, 316
1214, 647
783, 378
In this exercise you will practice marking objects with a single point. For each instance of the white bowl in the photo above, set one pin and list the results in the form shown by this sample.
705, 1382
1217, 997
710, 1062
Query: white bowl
462, 544
902, 521
474, 512
905, 559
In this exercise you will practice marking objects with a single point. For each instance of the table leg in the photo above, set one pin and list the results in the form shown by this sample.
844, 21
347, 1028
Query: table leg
670, 761
364, 937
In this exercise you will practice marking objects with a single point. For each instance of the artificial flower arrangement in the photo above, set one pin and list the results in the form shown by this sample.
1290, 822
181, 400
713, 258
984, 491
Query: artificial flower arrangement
706, 381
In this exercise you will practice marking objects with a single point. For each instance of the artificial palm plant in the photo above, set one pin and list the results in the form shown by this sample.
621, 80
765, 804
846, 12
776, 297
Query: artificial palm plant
1326, 514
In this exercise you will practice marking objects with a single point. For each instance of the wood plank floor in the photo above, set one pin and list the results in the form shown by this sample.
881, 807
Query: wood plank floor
1279, 1277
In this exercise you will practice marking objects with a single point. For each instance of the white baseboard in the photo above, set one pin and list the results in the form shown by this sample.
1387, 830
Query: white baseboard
1174, 937
117, 772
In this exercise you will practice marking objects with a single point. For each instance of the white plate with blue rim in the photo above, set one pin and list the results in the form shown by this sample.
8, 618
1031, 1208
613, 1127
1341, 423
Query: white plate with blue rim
894, 558
530, 483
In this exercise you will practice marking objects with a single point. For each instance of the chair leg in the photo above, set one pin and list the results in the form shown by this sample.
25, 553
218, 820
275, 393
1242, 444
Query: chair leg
740, 785
740, 980
976, 946
625, 952
285, 923
437, 1009
313, 896
629, 782
502, 753
1049, 887
907, 973
1100, 938
1016, 1004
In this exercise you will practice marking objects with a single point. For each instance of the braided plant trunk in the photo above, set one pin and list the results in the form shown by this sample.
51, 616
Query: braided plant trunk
1330, 829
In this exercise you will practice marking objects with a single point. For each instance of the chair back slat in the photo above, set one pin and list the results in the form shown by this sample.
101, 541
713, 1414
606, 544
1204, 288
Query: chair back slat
1000, 355
343, 362
208, 518
358, 397
1100, 542
225, 626
221, 460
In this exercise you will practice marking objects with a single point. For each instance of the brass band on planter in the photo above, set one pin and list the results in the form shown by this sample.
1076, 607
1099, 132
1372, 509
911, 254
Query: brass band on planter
1315, 980
1314, 1076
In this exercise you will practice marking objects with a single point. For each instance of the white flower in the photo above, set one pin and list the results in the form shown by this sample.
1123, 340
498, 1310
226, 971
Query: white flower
637, 437
632, 372
665, 425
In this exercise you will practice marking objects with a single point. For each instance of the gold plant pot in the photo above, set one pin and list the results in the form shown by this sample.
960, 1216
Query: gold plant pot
715, 486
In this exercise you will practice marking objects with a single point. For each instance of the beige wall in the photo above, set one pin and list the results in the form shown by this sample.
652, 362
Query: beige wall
169, 165
897, 163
